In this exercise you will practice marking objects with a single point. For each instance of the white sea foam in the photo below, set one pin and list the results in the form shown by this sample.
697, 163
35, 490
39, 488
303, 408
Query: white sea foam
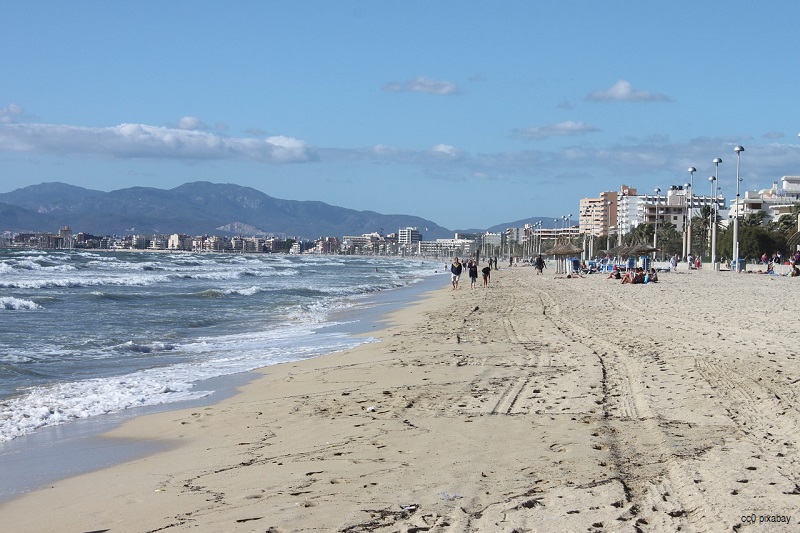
87, 281
15, 304
249, 291
217, 356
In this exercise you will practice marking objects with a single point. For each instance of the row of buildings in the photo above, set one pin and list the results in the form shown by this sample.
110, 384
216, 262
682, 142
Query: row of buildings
618, 213
406, 242
612, 213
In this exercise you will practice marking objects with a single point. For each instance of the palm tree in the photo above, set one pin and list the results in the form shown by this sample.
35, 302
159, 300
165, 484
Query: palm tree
701, 226
754, 219
670, 240
642, 233
787, 223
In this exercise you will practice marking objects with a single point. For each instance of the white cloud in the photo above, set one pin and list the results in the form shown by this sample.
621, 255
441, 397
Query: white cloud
9, 114
191, 123
623, 91
568, 128
148, 142
384, 150
445, 150
287, 149
422, 85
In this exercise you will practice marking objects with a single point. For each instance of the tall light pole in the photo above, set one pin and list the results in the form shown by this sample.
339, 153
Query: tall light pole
655, 233
686, 217
569, 227
716, 162
692, 170
738, 149
582, 217
591, 234
712, 254
539, 242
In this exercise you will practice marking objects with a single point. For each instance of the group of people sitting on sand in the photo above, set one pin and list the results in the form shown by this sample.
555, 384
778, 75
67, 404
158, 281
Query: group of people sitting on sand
635, 275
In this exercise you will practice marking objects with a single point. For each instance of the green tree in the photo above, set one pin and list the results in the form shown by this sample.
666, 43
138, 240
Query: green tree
641, 234
753, 242
700, 233
754, 219
670, 240
287, 245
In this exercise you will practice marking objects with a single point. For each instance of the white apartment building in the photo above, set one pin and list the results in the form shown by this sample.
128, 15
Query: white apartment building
408, 236
449, 247
617, 213
775, 202
179, 242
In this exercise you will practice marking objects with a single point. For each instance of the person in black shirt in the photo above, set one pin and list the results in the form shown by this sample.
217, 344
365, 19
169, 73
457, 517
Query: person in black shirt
455, 272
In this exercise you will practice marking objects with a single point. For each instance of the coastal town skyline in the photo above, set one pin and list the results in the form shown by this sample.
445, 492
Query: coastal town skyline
469, 117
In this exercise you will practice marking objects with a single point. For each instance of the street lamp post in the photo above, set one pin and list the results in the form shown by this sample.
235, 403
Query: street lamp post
685, 219
712, 254
715, 182
591, 234
541, 236
539, 241
692, 170
584, 246
655, 233
738, 149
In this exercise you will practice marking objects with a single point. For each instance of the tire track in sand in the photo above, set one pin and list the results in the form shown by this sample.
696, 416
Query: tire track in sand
658, 490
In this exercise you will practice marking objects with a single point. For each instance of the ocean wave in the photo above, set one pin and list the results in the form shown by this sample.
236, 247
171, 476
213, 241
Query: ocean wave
47, 406
115, 297
249, 291
218, 356
16, 304
208, 293
137, 347
39, 264
39, 283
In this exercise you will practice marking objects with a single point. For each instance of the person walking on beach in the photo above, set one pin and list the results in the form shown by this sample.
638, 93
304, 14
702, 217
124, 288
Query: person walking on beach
538, 264
472, 268
487, 272
455, 272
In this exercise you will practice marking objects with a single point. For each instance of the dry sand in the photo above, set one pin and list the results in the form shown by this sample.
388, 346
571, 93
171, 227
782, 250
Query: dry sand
539, 404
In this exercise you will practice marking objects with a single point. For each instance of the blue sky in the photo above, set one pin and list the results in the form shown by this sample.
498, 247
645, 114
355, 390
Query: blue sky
466, 113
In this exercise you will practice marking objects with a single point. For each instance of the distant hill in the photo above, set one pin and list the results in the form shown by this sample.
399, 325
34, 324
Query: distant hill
194, 208
22, 219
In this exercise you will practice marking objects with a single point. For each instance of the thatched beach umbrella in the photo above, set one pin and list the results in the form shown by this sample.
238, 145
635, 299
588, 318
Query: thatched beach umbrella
572, 249
621, 250
642, 249
555, 250
562, 252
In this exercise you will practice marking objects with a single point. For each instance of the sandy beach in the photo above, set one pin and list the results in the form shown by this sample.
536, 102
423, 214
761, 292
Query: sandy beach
539, 404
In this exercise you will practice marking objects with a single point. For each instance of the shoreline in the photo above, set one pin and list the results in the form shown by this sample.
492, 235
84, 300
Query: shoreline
30, 462
540, 404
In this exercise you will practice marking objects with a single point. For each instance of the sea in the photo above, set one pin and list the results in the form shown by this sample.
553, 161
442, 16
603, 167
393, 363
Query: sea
87, 334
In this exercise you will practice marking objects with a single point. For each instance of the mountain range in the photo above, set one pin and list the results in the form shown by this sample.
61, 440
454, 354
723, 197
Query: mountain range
196, 208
